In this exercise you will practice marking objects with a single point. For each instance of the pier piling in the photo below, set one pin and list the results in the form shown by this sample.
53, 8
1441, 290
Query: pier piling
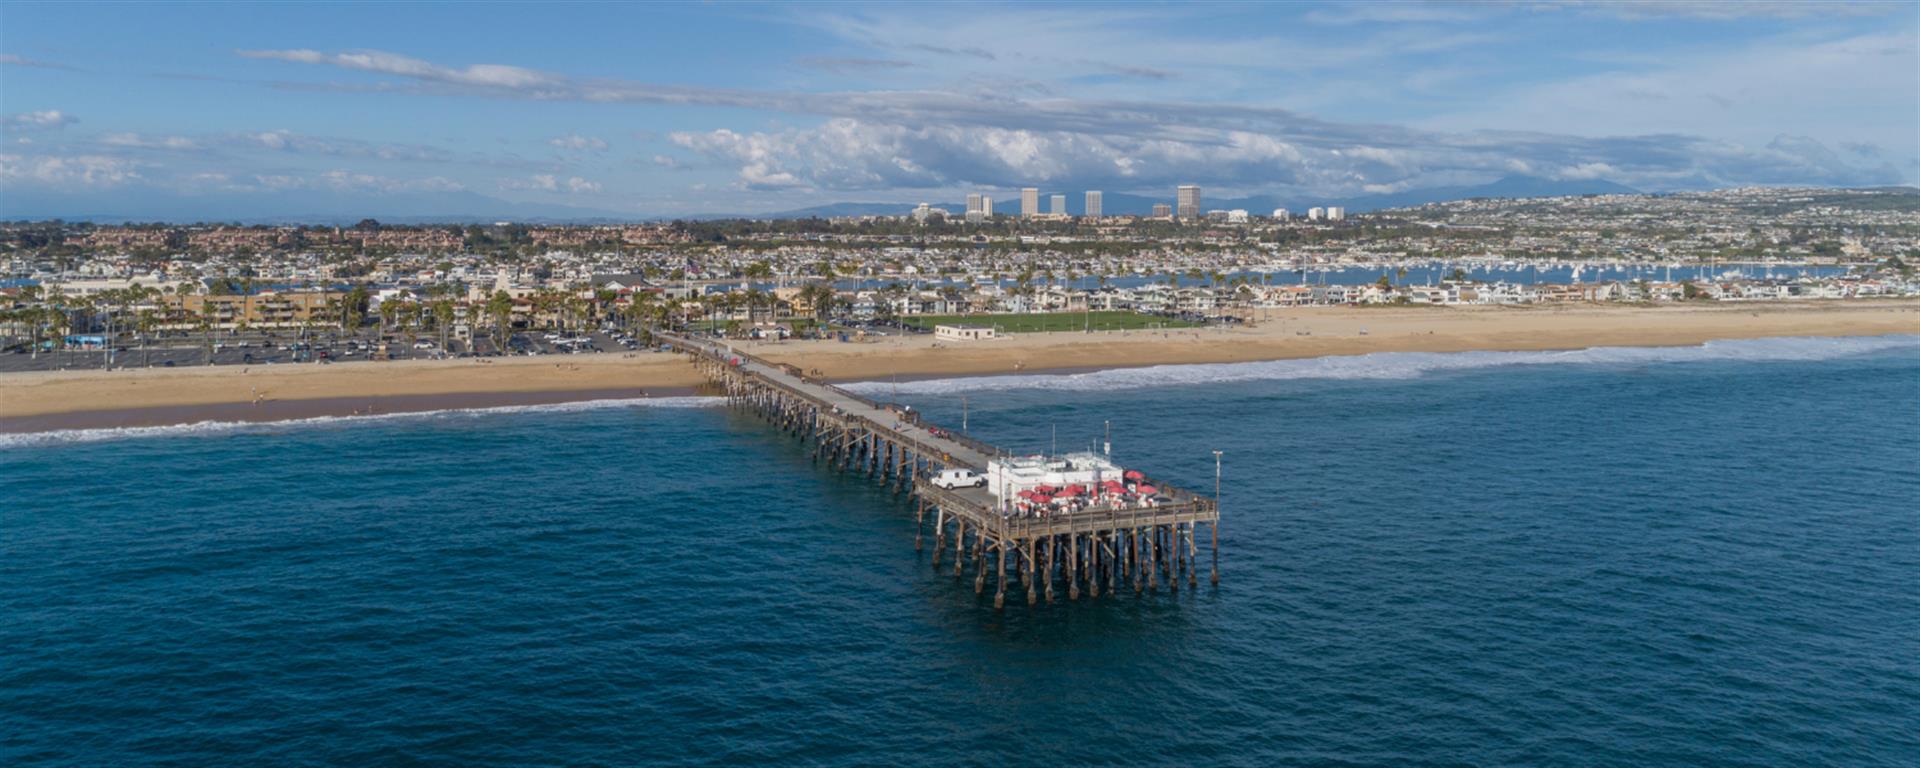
1104, 544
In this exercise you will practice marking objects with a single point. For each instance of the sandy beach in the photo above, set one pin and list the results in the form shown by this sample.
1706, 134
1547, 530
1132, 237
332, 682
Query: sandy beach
38, 401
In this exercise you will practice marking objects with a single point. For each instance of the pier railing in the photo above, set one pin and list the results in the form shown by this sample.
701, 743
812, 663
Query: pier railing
1107, 544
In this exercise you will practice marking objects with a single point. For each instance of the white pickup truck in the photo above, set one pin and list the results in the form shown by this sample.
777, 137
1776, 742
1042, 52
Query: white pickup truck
957, 478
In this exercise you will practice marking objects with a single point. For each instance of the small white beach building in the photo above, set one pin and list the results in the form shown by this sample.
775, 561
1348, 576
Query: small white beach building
1009, 476
962, 332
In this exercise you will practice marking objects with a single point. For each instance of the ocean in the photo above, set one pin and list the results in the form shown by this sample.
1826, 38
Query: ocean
1704, 556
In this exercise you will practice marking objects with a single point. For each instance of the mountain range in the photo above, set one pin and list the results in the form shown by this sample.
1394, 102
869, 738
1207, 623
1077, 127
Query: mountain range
342, 207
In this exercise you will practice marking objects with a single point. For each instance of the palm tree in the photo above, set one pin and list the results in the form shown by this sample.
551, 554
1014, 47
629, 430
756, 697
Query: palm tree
577, 308
442, 318
389, 312
144, 323
246, 296
206, 330
500, 308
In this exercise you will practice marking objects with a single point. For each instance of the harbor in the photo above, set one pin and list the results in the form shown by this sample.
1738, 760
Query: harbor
1050, 525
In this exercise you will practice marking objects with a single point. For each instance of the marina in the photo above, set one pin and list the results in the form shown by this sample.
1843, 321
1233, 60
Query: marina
1062, 525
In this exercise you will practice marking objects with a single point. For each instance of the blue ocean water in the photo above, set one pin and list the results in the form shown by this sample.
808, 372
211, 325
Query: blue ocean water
1704, 556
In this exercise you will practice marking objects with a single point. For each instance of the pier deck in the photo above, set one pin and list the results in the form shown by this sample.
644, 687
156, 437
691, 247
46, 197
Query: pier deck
1141, 541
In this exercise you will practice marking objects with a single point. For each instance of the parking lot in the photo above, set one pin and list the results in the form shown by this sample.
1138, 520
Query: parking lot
281, 349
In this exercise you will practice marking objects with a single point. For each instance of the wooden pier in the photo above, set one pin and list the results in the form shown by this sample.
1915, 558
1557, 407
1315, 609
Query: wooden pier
1104, 547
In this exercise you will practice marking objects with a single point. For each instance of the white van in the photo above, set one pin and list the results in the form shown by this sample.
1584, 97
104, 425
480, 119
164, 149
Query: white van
957, 478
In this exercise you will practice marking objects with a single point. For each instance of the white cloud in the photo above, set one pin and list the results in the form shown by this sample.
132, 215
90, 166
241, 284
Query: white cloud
578, 143
68, 170
884, 139
340, 180
283, 140
1864, 88
546, 182
1721, 10
49, 119
845, 154
12, 60
381, 62
137, 141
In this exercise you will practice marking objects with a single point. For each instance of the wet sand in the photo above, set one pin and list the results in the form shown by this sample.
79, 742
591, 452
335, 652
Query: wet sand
40, 401
289, 410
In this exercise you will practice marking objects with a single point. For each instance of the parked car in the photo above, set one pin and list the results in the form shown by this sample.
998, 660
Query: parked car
957, 478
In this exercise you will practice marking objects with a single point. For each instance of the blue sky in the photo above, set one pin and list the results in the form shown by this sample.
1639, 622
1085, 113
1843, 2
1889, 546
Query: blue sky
665, 109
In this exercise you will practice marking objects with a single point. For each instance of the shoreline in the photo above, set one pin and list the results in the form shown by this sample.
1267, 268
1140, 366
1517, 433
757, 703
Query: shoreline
45, 401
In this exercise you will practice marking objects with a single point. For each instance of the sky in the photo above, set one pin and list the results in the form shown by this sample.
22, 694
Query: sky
663, 109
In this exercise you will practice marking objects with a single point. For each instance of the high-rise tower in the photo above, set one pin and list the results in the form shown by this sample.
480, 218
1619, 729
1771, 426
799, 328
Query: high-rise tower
1187, 201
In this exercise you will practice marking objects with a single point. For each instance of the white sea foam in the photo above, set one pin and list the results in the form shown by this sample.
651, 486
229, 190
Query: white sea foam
1407, 365
209, 428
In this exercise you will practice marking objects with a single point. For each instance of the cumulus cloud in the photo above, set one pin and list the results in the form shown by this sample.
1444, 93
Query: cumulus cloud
49, 119
846, 154
877, 140
577, 143
68, 170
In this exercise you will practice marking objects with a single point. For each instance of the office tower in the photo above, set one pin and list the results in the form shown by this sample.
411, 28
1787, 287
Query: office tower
922, 213
1187, 201
1093, 204
1030, 201
986, 207
1281, 214
1057, 205
1162, 211
973, 202
1336, 213
1316, 213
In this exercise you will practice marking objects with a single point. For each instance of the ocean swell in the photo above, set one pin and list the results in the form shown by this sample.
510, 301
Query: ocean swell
1406, 365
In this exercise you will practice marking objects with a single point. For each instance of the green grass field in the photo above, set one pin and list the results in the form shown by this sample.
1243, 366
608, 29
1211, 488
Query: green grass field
1054, 321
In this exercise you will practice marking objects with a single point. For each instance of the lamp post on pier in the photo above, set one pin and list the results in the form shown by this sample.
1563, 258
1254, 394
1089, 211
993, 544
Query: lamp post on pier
1216, 518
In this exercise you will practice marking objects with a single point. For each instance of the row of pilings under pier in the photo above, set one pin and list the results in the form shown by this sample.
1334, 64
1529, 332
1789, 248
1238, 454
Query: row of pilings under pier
1047, 565
1095, 550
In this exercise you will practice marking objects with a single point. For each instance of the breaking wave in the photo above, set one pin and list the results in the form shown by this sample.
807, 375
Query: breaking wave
1409, 365
211, 428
